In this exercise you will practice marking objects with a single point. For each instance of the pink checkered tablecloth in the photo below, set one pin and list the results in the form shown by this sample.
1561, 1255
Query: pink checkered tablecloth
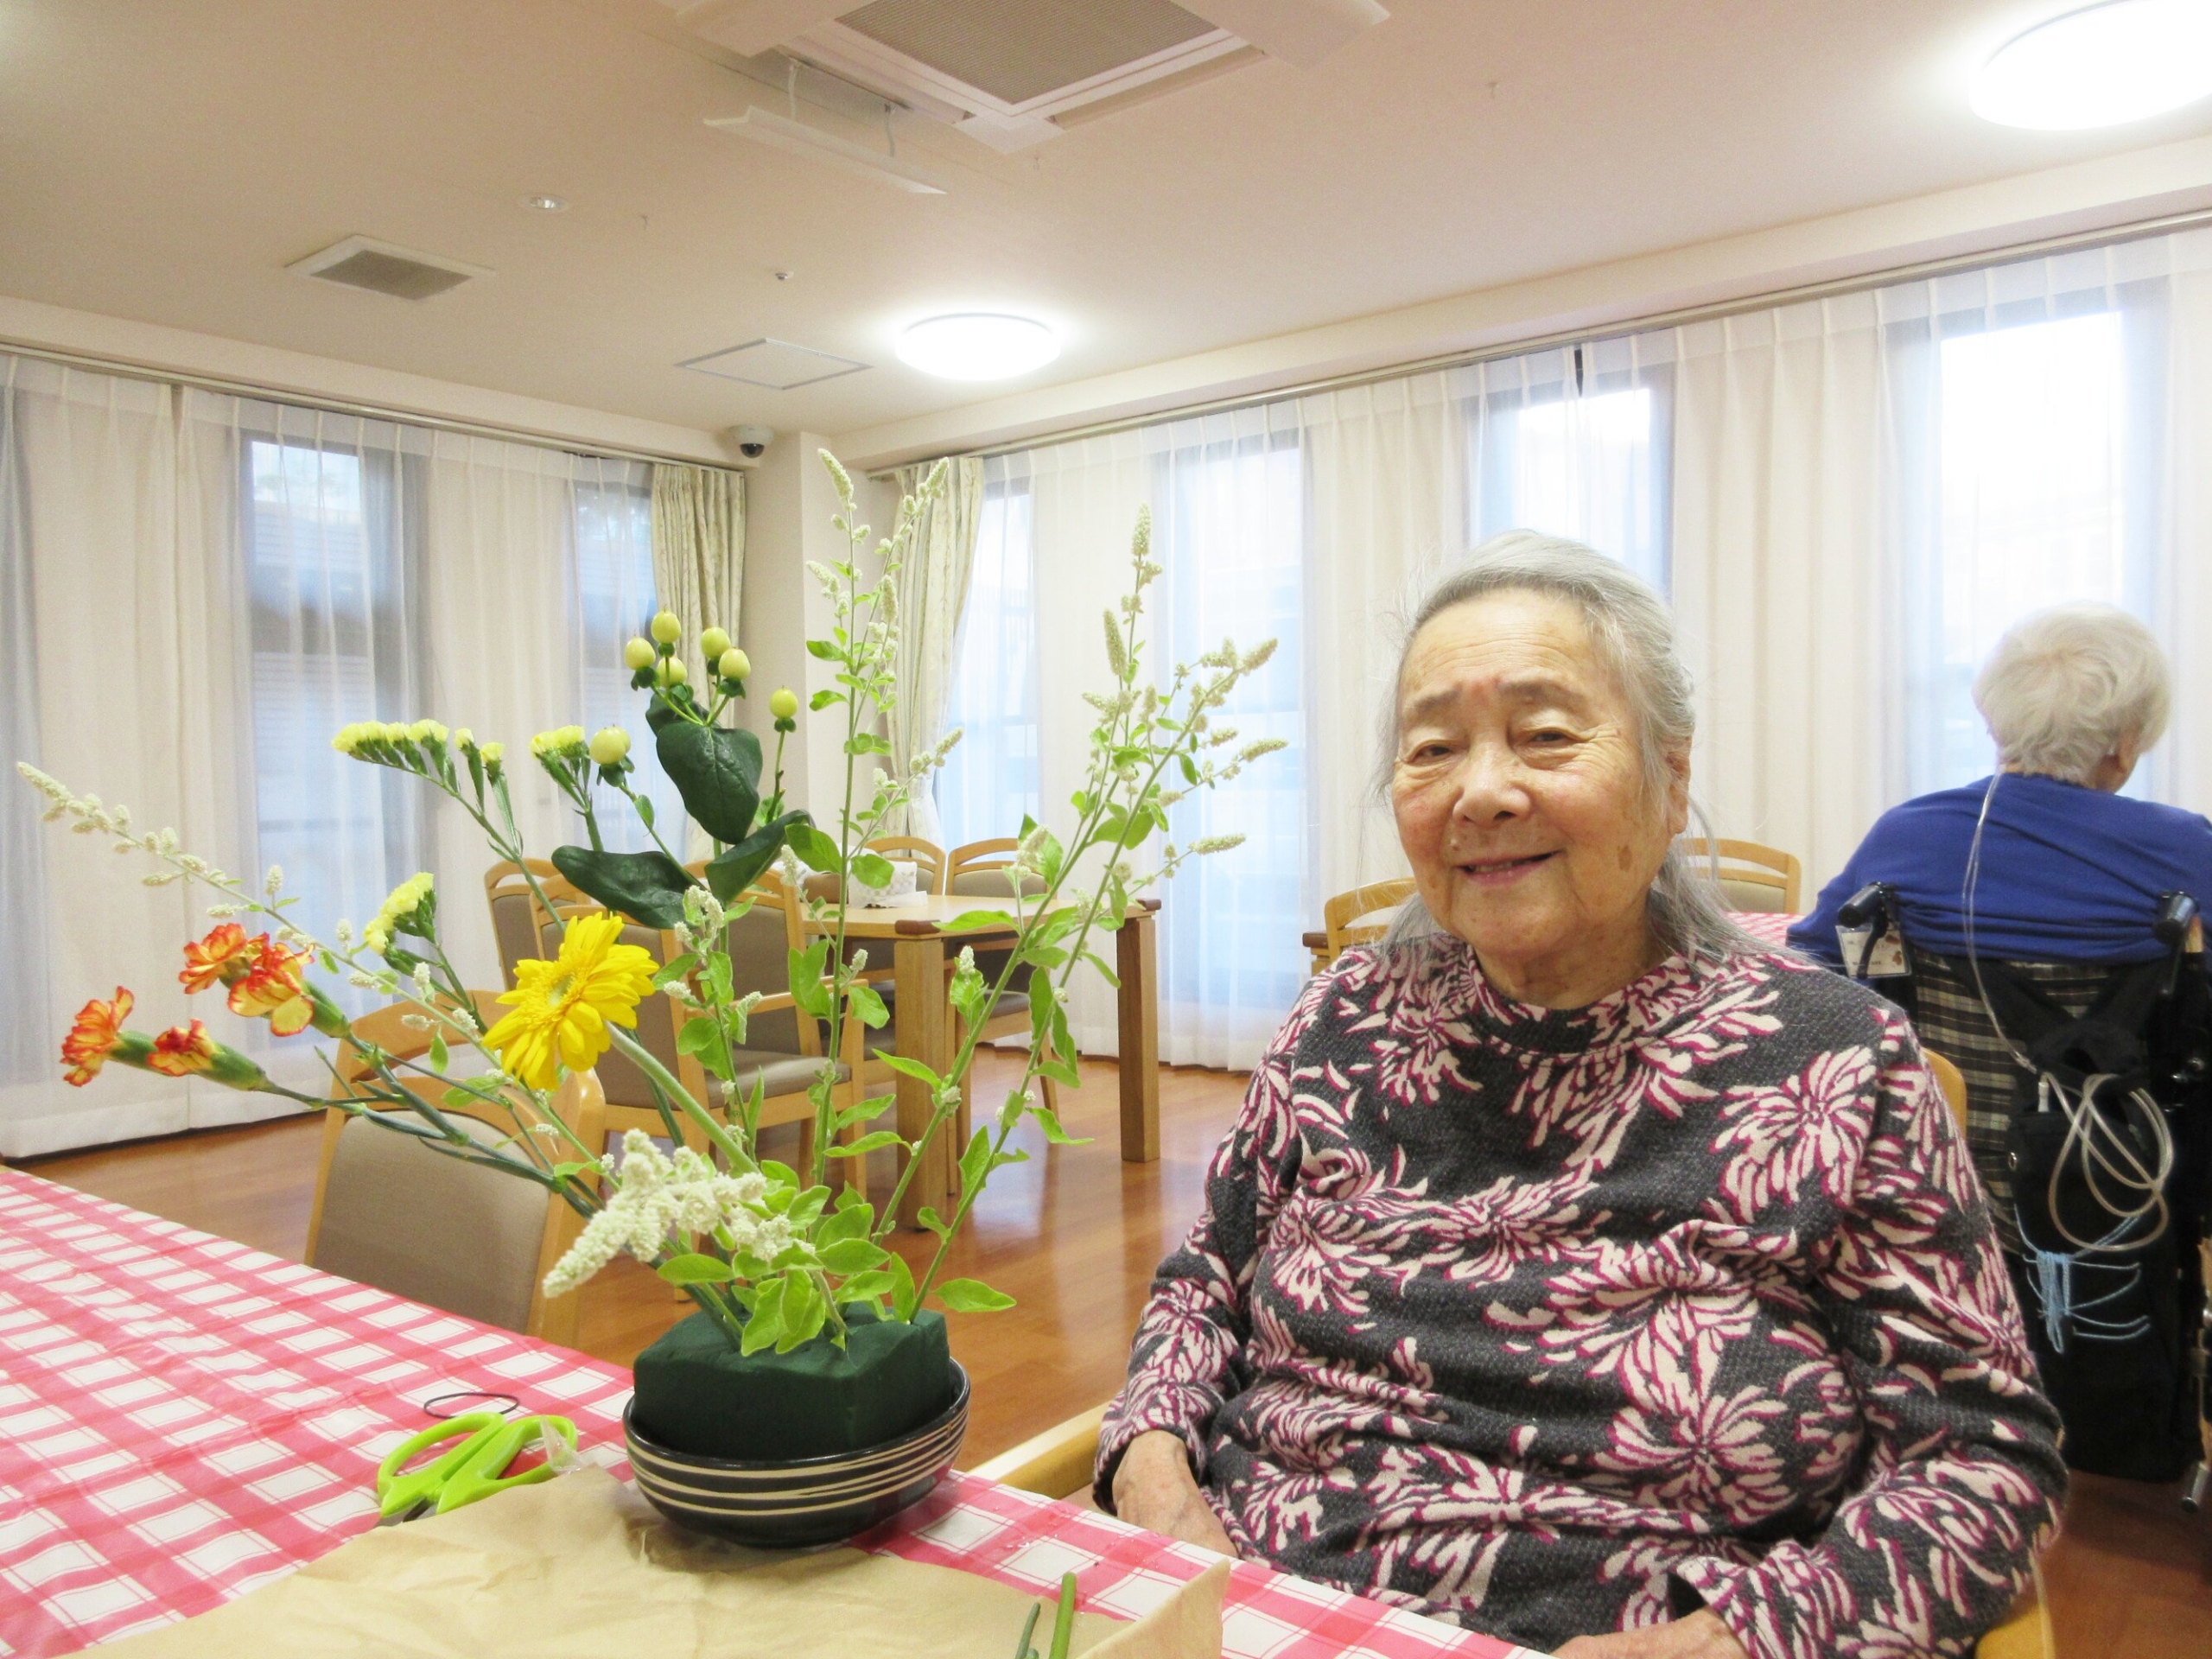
182, 1418
1771, 927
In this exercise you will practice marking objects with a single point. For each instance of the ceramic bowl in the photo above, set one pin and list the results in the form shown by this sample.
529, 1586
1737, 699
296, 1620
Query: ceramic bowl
792, 1503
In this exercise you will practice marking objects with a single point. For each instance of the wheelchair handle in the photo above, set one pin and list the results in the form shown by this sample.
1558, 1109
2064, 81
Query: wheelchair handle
1871, 903
2177, 911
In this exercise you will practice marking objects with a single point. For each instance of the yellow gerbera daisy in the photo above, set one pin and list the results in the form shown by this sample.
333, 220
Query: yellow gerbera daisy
561, 1007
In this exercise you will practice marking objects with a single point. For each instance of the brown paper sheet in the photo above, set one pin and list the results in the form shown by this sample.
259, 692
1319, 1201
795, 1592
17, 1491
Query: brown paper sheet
580, 1568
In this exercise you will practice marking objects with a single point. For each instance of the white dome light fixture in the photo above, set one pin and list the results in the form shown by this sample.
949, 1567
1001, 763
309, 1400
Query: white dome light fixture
2123, 61
978, 346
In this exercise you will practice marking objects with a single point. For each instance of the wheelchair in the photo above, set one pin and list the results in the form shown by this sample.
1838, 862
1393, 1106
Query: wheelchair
2090, 1118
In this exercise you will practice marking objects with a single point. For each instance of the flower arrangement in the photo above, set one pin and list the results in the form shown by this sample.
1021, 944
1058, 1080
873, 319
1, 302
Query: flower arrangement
775, 1256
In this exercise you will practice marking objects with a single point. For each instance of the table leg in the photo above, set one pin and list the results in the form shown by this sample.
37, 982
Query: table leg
925, 1033
1137, 964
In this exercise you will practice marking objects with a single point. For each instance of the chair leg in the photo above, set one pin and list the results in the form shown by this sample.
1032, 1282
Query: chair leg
805, 1145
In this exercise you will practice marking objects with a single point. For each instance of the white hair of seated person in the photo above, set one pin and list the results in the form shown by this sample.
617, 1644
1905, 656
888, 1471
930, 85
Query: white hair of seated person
2073, 688
1633, 634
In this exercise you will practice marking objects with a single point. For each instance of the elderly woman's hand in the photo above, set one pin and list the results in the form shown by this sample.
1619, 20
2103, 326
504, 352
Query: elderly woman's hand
1701, 1636
1153, 1488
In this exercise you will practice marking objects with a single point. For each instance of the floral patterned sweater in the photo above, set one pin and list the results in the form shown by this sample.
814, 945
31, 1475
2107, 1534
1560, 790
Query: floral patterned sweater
1554, 1322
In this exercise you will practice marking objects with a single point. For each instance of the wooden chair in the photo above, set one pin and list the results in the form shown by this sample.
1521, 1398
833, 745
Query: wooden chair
912, 849
412, 1221
1058, 1464
1953, 1083
518, 921
1753, 876
1356, 918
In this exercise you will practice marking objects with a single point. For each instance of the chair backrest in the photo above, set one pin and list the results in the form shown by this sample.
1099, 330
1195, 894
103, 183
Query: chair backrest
1753, 877
929, 877
759, 944
517, 917
982, 866
1359, 917
392, 1212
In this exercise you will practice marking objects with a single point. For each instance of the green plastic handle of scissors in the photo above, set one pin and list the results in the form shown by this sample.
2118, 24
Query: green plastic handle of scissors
396, 1493
483, 1471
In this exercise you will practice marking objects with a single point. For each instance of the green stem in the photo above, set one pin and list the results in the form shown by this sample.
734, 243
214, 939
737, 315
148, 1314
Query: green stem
740, 1162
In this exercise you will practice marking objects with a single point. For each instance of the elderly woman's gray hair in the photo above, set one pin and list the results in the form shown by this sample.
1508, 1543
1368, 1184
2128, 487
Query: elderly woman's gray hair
2067, 687
1633, 634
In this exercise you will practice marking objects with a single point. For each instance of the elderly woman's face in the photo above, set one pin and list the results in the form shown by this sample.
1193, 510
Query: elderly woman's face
1521, 801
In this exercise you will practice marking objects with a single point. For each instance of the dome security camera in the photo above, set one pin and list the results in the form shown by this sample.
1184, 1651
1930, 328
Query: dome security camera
751, 440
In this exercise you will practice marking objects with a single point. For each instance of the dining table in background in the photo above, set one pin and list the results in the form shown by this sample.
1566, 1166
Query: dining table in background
182, 1418
921, 946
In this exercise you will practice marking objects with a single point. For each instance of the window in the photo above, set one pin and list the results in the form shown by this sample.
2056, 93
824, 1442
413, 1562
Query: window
991, 780
615, 600
1556, 445
2034, 429
1231, 535
328, 552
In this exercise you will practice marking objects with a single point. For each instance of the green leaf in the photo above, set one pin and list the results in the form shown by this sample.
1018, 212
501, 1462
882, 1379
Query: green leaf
671, 971
873, 869
697, 1037
928, 1217
903, 1296
807, 1208
854, 1218
914, 1069
1104, 972
804, 1313
972, 1296
866, 1112
969, 921
463, 1096
647, 887
803, 971
569, 1171
867, 1286
867, 1144
765, 1327
439, 1057
1190, 769
817, 850
643, 803
868, 1004
822, 700
850, 1256
739, 866
824, 649
717, 771
1049, 1121
969, 995
1049, 857
694, 1270
973, 1163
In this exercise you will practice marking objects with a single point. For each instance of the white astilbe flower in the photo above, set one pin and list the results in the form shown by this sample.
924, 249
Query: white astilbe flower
658, 1200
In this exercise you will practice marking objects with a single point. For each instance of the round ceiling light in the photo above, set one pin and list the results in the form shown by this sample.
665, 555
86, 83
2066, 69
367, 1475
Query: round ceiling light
546, 203
2120, 61
978, 346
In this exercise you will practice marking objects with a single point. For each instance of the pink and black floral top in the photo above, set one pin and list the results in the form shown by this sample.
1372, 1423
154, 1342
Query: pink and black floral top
1554, 1322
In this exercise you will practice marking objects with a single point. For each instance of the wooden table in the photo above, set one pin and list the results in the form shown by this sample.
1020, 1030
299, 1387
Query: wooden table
920, 948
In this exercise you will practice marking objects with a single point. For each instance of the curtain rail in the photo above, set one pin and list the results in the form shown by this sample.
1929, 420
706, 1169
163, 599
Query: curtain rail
125, 369
2110, 237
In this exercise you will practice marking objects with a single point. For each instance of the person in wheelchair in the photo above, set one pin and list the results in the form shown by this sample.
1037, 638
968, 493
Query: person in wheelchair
2040, 915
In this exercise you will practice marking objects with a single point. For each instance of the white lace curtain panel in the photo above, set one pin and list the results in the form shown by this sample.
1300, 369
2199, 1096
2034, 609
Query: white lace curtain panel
196, 592
1845, 501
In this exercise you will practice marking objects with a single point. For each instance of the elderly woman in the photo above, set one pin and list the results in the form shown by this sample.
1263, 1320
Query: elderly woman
1576, 1269
2070, 870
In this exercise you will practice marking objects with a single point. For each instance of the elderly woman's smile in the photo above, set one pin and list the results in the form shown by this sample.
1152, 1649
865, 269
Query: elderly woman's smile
1523, 801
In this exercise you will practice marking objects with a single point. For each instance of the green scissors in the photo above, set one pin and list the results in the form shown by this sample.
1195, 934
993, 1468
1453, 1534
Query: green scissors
476, 1468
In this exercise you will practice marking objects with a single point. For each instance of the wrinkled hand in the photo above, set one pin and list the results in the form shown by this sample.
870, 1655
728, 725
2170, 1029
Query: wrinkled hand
1701, 1636
1153, 1488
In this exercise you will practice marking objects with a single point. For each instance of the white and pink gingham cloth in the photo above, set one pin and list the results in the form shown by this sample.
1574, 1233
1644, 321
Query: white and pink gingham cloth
182, 1418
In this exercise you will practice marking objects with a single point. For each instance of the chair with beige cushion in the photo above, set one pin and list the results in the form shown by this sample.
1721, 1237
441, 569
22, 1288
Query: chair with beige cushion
393, 1213
926, 856
1752, 877
1058, 1464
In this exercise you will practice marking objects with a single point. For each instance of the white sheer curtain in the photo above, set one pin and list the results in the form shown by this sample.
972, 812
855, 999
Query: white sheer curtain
196, 592
988, 784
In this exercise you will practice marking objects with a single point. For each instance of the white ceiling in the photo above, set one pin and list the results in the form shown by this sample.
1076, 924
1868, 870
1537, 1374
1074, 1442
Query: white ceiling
164, 160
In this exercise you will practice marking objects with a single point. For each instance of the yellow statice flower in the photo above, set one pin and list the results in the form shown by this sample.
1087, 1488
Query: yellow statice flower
563, 1007
399, 906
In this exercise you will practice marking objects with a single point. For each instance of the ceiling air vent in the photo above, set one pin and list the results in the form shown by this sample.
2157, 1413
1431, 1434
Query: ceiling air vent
1002, 69
383, 268
776, 364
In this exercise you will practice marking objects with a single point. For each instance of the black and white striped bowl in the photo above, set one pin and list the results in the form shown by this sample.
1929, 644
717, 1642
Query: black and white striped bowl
801, 1501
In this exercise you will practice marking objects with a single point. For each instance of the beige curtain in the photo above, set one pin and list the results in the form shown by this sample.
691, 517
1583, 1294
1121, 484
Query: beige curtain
932, 592
699, 565
699, 551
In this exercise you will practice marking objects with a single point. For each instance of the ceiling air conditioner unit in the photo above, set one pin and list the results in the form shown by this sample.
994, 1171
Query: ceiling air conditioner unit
1010, 72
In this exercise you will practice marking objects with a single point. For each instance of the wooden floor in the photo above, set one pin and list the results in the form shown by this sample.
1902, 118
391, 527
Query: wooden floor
1073, 1235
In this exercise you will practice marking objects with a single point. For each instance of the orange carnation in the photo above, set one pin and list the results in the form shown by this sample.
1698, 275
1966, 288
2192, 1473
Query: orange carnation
183, 1050
93, 1037
225, 955
274, 985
